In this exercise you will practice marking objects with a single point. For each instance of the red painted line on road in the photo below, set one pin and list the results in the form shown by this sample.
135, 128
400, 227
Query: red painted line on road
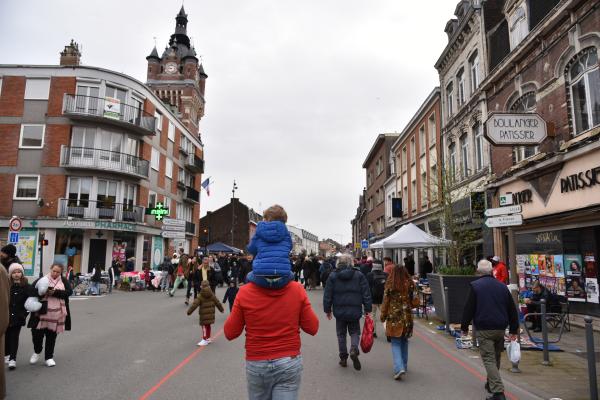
469, 369
182, 364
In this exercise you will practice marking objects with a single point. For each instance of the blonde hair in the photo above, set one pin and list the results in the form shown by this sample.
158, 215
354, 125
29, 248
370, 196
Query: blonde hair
275, 213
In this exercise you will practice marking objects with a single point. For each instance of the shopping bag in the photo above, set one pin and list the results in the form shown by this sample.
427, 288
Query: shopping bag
514, 352
366, 340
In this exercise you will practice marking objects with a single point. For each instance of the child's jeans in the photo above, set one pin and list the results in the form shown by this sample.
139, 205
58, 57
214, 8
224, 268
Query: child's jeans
270, 282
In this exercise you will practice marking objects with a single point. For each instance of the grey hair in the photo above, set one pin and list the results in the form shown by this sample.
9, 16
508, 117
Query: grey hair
484, 267
345, 260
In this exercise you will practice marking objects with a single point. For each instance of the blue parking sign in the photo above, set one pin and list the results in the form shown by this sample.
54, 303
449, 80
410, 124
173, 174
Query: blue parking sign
13, 237
364, 244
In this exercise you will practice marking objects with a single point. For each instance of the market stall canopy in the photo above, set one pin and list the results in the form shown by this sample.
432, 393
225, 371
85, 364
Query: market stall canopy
222, 248
409, 236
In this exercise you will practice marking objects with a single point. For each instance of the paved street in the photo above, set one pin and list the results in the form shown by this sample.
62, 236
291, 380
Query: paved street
127, 345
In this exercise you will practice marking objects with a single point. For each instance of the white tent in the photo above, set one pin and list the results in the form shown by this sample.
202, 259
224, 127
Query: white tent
409, 236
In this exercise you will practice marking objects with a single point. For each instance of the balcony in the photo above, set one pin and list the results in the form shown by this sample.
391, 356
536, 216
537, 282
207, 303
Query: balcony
194, 163
181, 183
114, 113
190, 227
99, 209
88, 158
191, 195
186, 149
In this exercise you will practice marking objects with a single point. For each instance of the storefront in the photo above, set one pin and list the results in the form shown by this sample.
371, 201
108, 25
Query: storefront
559, 241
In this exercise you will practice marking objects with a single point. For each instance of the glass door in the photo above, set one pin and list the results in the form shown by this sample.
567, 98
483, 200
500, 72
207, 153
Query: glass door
86, 101
82, 146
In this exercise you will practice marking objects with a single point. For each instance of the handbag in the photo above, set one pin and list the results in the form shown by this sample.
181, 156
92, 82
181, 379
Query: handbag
414, 299
366, 339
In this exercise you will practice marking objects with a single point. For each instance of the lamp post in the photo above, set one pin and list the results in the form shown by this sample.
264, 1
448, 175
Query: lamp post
233, 210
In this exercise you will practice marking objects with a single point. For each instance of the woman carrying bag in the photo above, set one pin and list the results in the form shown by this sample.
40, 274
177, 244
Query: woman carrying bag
396, 312
53, 318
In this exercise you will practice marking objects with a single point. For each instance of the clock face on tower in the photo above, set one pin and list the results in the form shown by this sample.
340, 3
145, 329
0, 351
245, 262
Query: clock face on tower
171, 68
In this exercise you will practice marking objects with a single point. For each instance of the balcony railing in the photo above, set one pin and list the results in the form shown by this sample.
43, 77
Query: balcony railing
194, 163
192, 194
100, 209
88, 158
105, 110
190, 227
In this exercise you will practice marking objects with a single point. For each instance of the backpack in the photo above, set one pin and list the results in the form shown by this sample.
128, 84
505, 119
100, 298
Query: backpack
378, 286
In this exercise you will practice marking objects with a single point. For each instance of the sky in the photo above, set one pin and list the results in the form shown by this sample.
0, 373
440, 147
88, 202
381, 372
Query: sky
297, 91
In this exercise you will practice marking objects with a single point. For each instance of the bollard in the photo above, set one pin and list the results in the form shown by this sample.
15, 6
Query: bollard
546, 361
591, 357
447, 309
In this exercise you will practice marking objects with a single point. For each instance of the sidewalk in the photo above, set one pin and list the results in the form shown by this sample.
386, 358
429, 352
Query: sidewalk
566, 379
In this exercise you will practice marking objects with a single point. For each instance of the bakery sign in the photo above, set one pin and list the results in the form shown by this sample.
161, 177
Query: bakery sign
580, 180
515, 129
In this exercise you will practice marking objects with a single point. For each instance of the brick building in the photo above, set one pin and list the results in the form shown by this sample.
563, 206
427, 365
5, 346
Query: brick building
359, 224
89, 153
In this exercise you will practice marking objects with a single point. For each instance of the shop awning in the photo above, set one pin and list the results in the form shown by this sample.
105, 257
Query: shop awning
222, 248
409, 236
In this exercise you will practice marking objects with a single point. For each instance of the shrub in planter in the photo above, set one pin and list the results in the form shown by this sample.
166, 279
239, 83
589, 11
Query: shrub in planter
458, 280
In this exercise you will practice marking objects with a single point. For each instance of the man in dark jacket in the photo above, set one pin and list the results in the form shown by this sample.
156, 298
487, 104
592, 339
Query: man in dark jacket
376, 279
426, 268
8, 256
347, 291
534, 303
491, 308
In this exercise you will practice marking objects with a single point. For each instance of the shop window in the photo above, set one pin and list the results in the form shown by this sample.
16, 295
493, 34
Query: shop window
584, 81
37, 89
69, 247
26, 187
524, 104
32, 136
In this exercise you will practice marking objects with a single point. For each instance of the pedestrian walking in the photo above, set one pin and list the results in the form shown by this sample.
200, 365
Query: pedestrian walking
179, 276
500, 271
396, 312
347, 293
55, 319
491, 308
95, 279
388, 265
193, 281
426, 268
213, 281
4, 317
206, 303
20, 290
376, 279
165, 276
230, 294
8, 256
70, 276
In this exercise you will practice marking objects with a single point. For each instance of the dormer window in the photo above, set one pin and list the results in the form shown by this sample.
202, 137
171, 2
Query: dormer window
518, 25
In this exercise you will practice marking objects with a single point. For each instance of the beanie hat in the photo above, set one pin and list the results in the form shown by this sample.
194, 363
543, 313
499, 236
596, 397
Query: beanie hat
10, 250
15, 267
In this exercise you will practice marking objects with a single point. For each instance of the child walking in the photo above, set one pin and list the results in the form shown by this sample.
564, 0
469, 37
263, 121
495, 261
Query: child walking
20, 289
206, 303
230, 293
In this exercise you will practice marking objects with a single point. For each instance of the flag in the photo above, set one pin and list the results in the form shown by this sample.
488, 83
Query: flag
206, 186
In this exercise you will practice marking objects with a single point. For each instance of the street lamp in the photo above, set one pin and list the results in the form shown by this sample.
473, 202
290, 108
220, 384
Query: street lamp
233, 209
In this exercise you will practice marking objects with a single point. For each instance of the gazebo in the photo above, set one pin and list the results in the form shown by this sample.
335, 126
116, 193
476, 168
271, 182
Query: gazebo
410, 236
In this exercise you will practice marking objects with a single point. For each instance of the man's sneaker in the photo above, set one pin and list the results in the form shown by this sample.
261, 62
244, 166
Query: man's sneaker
50, 362
343, 362
355, 360
12, 364
399, 375
202, 343
34, 358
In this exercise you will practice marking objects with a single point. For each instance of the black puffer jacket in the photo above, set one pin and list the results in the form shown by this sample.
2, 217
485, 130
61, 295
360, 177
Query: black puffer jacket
347, 291
18, 294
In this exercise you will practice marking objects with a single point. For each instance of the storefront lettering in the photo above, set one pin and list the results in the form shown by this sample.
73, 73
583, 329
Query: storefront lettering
547, 237
525, 196
121, 226
580, 181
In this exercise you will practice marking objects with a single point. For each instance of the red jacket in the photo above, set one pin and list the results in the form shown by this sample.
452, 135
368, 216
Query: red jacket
501, 272
272, 318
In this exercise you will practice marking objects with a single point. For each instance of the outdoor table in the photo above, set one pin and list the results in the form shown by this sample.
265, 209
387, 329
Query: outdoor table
425, 293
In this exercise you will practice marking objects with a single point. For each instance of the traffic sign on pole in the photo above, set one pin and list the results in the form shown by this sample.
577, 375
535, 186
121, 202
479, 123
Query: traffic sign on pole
364, 244
504, 220
13, 237
173, 234
492, 212
15, 224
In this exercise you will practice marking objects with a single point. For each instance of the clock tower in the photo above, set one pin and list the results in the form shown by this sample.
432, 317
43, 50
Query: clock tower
177, 77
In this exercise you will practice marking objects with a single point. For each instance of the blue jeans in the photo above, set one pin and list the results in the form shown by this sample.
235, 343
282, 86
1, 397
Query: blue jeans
95, 288
400, 353
274, 379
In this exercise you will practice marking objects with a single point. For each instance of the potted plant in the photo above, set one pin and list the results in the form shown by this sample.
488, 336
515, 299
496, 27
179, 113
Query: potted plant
457, 280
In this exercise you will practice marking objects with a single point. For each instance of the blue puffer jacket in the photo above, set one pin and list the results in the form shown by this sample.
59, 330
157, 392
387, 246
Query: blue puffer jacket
271, 246
347, 291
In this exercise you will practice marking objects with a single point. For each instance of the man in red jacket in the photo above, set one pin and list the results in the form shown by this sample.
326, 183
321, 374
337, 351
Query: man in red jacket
500, 270
272, 319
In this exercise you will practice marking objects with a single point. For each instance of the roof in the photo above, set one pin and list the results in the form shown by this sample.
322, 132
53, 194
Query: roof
153, 54
182, 12
380, 139
429, 101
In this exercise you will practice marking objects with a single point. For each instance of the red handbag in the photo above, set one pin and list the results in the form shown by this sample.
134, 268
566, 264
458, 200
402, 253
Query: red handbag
366, 340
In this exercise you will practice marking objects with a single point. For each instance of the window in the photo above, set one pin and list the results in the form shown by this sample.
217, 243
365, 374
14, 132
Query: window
32, 136
169, 168
474, 68
82, 143
460, 95
404, 159
155, 159
424, 195
464, 148
26, 187
37, 89
137, 106
116, 93
518, 26
525, 103
79, 191
452, 160
151, 199
449, 99
479, 155
128, 196
413, 194
432, 130
107, 193
412, 150
171, 132
0, 86
422, 139
584, 82
158, 117
434, 187
405, 200
86, 100
370, 203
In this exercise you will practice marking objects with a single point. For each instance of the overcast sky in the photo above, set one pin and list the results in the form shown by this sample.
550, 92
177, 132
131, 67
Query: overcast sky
296, 92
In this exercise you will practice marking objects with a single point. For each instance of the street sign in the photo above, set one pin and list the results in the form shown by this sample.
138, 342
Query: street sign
15, 224
506, 199
515, 129
504, 220
13, 237
173, 222
364, 244
173, 234
491, 212
177, 228
357, 245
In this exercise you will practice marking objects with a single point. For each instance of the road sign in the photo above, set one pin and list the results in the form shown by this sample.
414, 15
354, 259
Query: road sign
506, 199
364, 244
504, 220
515, 129
357, 245
173, 234
177, 228
15, 224
13, 237
173, 222
491, 212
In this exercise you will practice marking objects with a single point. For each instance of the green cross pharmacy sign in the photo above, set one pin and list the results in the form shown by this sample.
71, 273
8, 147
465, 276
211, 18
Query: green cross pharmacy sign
159, 211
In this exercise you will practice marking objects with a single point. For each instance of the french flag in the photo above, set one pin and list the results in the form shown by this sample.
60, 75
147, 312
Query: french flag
206, 185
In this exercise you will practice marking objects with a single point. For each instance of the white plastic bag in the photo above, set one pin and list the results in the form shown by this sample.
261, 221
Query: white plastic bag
42, 285
32, 304
514, 352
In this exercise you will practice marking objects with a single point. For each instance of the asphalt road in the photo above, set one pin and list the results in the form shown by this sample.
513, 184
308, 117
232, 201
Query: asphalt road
143, 346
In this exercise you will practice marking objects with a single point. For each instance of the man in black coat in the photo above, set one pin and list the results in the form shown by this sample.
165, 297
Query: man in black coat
8, 256
491, 308
534, 304
347, 292
376, 279
426, 268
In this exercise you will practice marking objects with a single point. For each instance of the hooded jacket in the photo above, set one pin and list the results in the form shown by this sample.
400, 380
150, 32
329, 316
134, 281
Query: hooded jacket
206, 303
347, 291
271, 246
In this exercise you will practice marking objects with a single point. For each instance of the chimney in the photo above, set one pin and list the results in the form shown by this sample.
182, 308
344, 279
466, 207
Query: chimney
70, 55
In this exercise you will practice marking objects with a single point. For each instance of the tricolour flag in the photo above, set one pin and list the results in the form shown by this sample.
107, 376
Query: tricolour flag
206, 185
